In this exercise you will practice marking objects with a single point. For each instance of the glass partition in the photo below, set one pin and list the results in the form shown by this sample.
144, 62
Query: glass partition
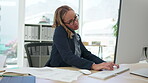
9, 30
99, 26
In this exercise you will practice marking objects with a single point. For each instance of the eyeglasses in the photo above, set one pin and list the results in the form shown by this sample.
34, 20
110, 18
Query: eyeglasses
72, 21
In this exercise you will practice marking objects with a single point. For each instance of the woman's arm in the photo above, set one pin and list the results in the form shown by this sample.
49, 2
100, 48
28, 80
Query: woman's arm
88, 55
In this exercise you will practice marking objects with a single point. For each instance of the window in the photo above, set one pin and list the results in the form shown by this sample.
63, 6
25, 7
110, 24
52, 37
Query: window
99, 17
39, 10
8, 29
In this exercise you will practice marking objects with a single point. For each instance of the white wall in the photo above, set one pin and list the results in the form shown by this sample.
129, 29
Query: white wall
20, 57
133, 31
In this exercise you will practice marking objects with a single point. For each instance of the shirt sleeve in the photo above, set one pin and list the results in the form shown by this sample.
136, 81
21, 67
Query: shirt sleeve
88, 55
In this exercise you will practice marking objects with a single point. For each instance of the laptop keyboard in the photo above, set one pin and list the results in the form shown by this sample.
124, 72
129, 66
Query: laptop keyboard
106, 73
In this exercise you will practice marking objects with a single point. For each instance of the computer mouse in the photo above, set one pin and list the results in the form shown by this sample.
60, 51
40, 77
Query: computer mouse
115, 67
84, 71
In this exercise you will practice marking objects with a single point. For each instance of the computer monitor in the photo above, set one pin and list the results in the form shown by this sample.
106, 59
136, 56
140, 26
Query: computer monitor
132, 32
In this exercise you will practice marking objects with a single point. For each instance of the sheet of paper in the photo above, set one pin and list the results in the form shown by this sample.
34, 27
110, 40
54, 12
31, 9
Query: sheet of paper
50, 73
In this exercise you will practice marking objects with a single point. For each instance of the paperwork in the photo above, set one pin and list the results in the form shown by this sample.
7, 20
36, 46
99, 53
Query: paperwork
2, 69
49, 73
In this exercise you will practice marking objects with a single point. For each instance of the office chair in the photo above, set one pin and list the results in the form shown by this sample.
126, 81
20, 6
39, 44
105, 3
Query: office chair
38, 53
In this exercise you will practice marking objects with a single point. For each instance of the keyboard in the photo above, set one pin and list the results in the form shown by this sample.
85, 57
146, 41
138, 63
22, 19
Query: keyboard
106, 74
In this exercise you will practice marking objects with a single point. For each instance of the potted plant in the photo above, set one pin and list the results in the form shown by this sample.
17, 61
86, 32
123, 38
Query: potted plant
115, 27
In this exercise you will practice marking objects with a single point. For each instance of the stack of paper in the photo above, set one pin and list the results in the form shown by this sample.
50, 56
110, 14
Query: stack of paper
50, 73
2, 69
6, 74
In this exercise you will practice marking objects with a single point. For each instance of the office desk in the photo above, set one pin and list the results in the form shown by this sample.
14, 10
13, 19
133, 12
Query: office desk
124, 77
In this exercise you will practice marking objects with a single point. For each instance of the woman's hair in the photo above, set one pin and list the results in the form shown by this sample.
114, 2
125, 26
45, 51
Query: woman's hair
58, 18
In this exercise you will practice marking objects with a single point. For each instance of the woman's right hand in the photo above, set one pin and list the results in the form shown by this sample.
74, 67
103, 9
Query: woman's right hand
105, 65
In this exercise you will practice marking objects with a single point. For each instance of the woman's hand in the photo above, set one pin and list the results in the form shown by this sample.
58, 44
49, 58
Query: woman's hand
105, 65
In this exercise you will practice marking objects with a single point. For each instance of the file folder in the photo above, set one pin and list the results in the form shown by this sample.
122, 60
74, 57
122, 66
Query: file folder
18, 79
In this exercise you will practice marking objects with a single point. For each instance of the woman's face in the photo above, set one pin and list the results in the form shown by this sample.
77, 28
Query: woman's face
71, 20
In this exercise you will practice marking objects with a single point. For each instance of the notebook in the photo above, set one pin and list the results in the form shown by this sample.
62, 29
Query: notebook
141, 72
11, 74
2, 61
108, 74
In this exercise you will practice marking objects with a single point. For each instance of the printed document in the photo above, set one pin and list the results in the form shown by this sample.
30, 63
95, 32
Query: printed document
50, 73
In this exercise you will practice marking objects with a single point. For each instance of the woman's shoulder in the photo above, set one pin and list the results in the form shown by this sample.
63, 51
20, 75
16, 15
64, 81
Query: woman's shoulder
60, 28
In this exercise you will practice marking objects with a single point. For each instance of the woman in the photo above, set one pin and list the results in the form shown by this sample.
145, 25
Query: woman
67, 49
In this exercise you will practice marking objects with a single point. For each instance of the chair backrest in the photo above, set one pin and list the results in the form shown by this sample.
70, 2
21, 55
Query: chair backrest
38, 53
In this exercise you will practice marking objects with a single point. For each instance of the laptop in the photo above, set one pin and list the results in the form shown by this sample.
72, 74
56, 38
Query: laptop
141, 72
2, 61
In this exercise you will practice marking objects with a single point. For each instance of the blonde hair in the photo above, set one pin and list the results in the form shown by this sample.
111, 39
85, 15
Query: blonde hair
58, 18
